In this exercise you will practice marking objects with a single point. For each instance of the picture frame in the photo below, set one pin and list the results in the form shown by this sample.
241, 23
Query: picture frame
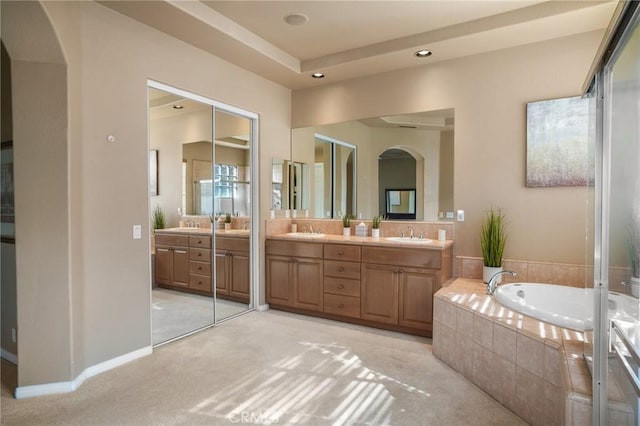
558, 143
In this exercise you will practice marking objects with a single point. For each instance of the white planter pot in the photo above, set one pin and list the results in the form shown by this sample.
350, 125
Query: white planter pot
375, 233
346, 232
227, 226
489, 271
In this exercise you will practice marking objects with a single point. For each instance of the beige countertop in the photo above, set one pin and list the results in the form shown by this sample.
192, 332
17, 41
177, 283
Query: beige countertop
236, 233
382, 241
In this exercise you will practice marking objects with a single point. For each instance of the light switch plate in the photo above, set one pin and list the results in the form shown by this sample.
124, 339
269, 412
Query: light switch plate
460, 216
137, 232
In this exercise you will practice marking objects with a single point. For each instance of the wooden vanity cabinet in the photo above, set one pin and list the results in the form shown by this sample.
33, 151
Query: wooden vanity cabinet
294, 275
398, 285
172, 261
388, 287
233, 279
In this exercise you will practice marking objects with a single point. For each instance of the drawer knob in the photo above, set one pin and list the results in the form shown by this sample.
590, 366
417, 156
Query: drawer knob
340, 306
341, 252
199, 241
340, 286
199, 268
341, 269
199, 254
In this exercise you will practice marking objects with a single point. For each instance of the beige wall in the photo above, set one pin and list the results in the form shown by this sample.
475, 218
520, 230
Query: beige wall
100, 189
489, 93
447, 161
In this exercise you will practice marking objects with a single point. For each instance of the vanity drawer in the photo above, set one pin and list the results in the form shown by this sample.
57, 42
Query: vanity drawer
201, 255
342, 252
172, 240
415, 257
345, 306
200, 282
342, 286
200, 241
232, 244
294, 248
336, 268
201, 268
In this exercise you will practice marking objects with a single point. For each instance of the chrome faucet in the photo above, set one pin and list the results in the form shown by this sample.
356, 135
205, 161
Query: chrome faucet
311, 228
245, 225
493, 282
410, 232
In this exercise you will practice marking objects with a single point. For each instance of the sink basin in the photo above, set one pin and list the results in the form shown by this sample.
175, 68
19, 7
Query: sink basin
304, 235
409, 240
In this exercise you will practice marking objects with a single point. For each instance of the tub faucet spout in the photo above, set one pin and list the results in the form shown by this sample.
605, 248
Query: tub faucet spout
493, 282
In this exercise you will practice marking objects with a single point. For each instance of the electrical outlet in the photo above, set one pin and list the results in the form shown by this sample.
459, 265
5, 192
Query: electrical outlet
460, 216
137, 232
14, 337
449, 215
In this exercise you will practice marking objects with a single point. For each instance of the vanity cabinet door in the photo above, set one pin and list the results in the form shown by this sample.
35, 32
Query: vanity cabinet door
279, 280
239, 282
180, 267
417, 287
222, 282
163, 265
379, 293
308, 288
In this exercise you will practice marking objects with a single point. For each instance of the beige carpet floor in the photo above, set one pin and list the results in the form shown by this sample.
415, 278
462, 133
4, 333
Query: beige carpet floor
271, 368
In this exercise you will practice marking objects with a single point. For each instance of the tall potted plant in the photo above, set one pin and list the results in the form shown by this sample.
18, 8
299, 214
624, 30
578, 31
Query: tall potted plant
492, 241
633, 247
157, 218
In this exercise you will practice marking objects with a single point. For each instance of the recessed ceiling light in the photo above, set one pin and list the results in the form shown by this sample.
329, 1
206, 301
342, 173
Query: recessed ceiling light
317, 75
178, 107
295, 19
423, 53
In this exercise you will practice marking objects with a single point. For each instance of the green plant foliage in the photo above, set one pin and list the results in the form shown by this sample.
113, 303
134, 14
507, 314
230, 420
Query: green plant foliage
157, 219
227, 218
493, 238
376, 222
346, 220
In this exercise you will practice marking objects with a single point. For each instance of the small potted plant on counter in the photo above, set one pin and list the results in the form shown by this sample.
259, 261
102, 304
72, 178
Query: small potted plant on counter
227, 221
346, 223
375, 226
492, 241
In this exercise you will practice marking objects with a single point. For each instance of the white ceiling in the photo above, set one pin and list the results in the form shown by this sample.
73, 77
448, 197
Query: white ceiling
349, 39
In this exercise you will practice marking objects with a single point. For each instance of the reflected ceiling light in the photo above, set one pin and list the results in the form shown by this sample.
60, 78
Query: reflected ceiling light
317, 75
423, 53
178, 107
295, 19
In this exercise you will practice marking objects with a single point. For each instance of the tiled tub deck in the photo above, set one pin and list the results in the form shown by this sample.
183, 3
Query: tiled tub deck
535, 369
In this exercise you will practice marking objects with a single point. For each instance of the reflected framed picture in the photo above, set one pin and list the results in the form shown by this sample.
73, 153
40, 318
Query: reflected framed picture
153, 172
558, 143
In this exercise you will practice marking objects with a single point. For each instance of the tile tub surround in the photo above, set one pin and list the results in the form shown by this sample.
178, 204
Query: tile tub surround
535, 369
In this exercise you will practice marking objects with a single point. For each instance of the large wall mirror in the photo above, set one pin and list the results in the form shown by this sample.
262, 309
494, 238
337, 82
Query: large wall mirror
203, 272
371, 156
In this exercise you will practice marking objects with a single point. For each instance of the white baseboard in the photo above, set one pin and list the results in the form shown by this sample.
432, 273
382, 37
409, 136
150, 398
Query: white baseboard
65, 387
262, 308
12, 358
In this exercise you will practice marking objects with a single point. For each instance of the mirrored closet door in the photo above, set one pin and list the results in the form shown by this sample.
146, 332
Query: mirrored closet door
200, 166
